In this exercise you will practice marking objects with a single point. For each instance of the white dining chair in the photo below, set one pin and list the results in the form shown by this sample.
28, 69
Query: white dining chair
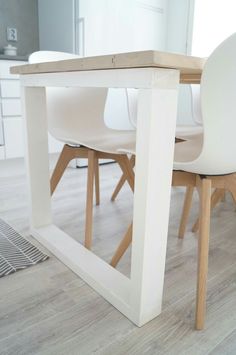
186, 132
183, 132
76, 118
208, 161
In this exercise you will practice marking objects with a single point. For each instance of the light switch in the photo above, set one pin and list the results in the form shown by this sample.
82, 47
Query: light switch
11, 34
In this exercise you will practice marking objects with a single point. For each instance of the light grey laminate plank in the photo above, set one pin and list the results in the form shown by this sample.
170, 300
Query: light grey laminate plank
47, 310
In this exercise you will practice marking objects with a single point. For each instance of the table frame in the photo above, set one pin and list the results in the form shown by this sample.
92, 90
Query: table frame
139, 297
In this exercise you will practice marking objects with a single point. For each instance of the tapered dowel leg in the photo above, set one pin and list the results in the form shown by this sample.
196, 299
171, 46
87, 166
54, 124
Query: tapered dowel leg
186, 210
203, 250
97, 187
127, 169
122, 180
216, 197
89, 202
118, 187
124, 244
65, 157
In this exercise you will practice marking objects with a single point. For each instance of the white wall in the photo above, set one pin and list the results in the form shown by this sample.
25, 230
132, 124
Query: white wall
213, 22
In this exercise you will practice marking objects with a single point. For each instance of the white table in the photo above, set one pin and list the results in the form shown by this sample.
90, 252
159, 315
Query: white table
157, 75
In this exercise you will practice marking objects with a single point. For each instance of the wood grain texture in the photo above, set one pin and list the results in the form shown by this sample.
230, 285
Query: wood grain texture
122, 180
186, 211
89, 200
203, 251
217, 196
123, 246
48, 310
190, 67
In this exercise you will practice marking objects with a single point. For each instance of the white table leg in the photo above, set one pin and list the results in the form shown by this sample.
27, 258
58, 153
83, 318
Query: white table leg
139, 297
34, 106
157, 112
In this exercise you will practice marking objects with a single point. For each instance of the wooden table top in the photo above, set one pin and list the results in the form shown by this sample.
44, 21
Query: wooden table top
190, 67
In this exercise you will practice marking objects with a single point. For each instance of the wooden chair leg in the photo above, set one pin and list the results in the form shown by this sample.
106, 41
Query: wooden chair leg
89, 201
233, 193
122, 180
65, 157
216, 197
203, 251
97, 187
186, 210
123, 246
118, 187
127, 169
232, 188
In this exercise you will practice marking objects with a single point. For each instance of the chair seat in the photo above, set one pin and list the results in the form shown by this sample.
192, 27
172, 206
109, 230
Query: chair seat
187, 151
187, 131
108, 141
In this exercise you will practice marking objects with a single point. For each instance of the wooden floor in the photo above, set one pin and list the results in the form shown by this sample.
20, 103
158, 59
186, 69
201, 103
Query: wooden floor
46, 309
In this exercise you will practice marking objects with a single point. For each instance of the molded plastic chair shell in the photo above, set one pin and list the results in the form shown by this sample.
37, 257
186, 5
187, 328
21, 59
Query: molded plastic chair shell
189, 131
182, 131
216, 154
117, 115
50, 56
214, 151
76, 115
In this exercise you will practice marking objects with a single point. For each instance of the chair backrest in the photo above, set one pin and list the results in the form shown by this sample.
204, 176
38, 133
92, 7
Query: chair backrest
50, 56
72, 112
196, 104
218, 103
130, 110
132, 95
117, 113
82, 111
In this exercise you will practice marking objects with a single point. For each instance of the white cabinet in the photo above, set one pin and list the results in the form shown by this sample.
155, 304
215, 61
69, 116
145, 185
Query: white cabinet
13, 135
9, 88
11, 122
5, 69
10, 107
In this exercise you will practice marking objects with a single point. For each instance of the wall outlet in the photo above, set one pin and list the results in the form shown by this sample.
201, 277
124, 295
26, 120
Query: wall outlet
11, 34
